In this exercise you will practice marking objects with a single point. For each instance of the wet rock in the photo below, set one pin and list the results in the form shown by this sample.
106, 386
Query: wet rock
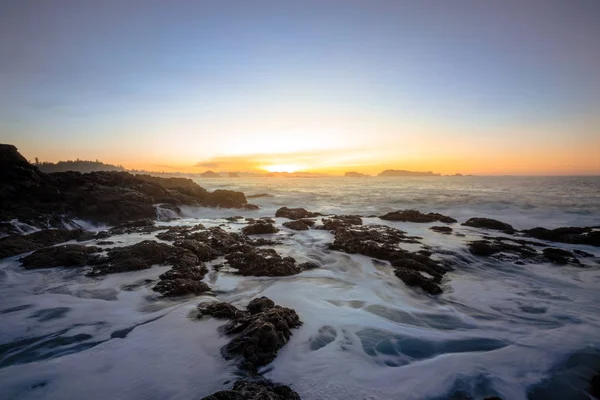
295, 213
489, 223
140, 256
582, 253
255, 390
258, 196
487, 248
259, 228
67, 255
442, 229
572, 235
234, 218
220, 310
109, 197
250, 261
180, 287
414, 278
382, 242
595, 385
416, 216
258, 333
140, 226
341, 221
203, 251
560, 256
179, 232
297, 225
19, 244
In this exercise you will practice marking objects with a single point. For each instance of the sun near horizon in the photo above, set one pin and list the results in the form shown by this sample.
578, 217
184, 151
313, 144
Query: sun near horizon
323, 87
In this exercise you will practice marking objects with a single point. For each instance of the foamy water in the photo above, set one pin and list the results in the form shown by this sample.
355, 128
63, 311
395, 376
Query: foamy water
515, 331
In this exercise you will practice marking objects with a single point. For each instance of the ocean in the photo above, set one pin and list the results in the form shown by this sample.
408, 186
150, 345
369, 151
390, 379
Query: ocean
499, 329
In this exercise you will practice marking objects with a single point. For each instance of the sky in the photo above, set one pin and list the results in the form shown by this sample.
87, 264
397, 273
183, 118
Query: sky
480, 87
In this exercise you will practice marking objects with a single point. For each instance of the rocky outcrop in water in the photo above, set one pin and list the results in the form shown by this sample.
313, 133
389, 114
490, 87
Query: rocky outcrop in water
573, 235
295, 213
259, 228
40, 199
416, 216
298, 225
19, 244
250, 261
441, 229
340, 221
259, 332
488, 223
142, 255
260, 389
382, 242
67, 255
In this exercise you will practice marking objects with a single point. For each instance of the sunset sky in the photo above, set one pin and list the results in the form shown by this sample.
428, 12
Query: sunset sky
481, 87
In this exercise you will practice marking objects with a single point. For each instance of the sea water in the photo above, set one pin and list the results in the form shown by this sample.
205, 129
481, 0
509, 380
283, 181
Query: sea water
514, 331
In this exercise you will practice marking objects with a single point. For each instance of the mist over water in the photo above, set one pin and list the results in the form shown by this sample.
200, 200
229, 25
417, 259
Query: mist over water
515, 331
523, 202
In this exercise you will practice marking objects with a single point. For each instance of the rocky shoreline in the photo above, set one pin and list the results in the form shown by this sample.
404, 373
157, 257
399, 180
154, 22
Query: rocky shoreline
50, 204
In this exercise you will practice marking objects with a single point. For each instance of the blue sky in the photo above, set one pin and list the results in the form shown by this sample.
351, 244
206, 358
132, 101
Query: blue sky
111, 78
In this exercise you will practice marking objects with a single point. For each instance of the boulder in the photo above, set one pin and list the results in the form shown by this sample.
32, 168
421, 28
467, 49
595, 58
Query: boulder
258, 333
382, 242
19, 244
298, 225
560, 256
340, 221
573, 235
488, 223
441, 229
250, 261
259, 228
416, 216
142, 255
295, 213
261, 389
67, 255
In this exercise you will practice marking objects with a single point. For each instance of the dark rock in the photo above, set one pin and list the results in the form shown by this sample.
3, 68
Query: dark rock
180, 287
489, 223
203, 251
297, 225
250, 261
67, 255
442, 229
416, 216
414, 278
560, 256
179, 232
572, 235
308, 265
582, 253
259, 228
255, 390
234, 218
139, 226
259, 305
259, 195
220, 310
486, 248
341, 221
19, 244
595, 386
295, 213
382, 242
142, 255
258, 333
109, 197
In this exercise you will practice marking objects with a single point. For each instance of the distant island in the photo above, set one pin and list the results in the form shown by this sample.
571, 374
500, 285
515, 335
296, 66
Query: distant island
76, 165
354, 174
401, 172
209, 174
